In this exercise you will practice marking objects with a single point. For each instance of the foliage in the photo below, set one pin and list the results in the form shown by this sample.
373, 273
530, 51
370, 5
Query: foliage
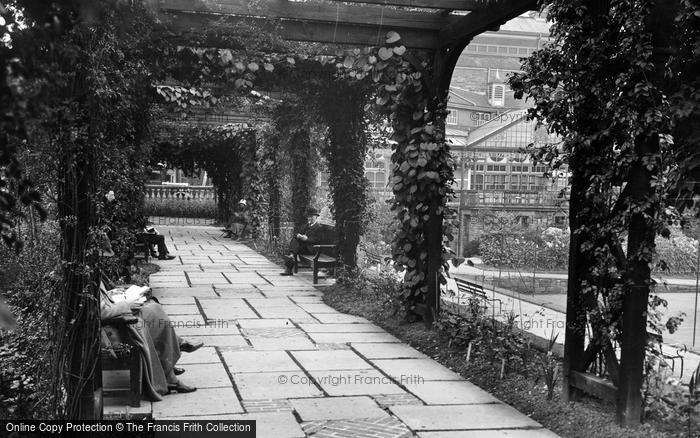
15, 188
472, 248
190, 208
550, 366
602, 86
343, 112
229, 154
526, 249
380, 228
87, 92
491, 341
27, 385
676, 253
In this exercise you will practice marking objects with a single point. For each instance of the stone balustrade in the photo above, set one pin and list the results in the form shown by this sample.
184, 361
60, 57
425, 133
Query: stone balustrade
199, 193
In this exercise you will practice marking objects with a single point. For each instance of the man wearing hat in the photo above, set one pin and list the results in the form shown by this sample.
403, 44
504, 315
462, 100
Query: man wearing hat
312, 234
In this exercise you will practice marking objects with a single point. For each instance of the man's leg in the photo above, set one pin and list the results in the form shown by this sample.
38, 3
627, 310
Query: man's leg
294, 246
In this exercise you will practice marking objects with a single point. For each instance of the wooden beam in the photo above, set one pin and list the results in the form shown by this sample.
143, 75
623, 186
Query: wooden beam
484, 20
329, 33
593, 385
316, 12
458, 5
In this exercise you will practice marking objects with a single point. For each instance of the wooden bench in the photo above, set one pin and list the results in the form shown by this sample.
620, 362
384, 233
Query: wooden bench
320, 259
655, 338
476, 290
142, 250
124, 356
376, 259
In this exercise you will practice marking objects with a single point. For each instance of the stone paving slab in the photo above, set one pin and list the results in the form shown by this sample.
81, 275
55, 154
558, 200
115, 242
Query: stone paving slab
281, 344
181, 309
339, 318
228, 313
203, 355
463, 417
263, 323
223, 329
337, 408
291, 311
447, 392
341, 328
331, 360
216, 401
220, 341
259, 361
355, 382
387, 351
426, 369
210, 375
352, 337
255, 386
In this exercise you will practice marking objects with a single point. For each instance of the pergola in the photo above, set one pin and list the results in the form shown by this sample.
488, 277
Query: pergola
442, 28
437, 29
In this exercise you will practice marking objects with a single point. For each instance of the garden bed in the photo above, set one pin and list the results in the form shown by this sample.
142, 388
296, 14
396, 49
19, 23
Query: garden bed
524, 391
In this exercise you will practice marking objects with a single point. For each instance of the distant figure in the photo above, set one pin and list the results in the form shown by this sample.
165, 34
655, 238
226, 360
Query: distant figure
314, 233
240, 220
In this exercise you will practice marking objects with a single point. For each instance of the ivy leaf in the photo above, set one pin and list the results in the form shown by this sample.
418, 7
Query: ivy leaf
385, 53
392, 37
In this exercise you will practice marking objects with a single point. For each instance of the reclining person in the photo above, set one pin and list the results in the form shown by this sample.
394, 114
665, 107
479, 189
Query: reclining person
314, 233
150, 329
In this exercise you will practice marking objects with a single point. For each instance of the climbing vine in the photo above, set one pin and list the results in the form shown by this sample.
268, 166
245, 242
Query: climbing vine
229, 154
422, 170
602, 86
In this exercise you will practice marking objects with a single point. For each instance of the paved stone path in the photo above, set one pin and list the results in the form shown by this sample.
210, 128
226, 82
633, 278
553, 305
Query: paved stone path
275, 353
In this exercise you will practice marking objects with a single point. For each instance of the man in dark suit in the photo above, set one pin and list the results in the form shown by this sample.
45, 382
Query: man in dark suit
314, 233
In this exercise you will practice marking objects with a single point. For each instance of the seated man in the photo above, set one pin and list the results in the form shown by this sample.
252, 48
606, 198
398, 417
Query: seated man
314, 233
151, 237
154, 334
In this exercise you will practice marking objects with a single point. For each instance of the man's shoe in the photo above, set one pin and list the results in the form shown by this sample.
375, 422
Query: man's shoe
178, 371
166, 257
181, 388
285, 273
189, 347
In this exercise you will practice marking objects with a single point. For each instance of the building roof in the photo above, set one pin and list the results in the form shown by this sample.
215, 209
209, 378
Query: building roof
496, 125
526, 23
465, 99
456, 137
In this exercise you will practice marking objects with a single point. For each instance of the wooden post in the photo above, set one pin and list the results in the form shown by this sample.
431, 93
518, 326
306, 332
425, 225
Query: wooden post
641, 236
575, 312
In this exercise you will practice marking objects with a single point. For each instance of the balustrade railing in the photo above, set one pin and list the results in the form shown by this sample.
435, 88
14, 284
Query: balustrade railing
198, 193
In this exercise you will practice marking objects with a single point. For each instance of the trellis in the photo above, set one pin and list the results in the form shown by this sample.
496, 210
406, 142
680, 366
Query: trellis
439, 28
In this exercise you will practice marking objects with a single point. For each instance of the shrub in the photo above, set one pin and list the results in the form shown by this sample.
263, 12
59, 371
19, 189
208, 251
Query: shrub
27, 354
678, 252
471, 249
172, 207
